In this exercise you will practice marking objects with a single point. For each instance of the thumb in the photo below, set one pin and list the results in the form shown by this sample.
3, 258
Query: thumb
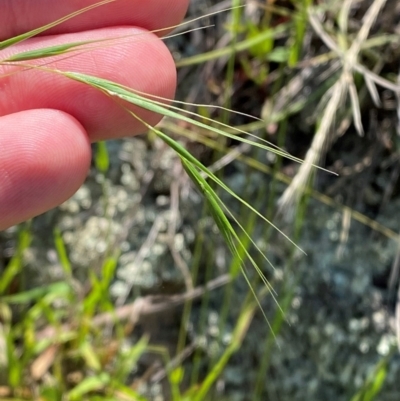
44, 158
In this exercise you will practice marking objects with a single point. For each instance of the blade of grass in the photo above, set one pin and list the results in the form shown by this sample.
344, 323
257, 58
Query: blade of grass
240, 46
64, 48
20, 38
239, 333
182, 151
16, 264
102, 159
88, 385
373, 224
225, 227
62, 253
60, 287
115, 90
119, 91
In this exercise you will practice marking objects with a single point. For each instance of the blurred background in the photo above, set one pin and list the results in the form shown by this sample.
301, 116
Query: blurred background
128, 290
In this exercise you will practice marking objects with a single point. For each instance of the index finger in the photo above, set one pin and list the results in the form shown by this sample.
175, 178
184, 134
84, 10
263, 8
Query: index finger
20, 16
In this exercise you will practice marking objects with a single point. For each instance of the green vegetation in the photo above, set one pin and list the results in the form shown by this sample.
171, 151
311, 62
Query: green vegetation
72, 339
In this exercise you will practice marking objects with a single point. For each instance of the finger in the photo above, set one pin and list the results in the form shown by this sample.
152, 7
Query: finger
19, 16
142, 63
44, 158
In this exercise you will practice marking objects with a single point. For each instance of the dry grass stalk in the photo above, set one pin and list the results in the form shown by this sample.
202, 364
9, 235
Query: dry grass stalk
339, 92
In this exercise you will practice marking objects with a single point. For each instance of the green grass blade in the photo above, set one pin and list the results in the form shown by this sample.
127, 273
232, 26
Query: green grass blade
15, 368
73, 46
374, 383
115, 90
65, 48
102, 159
240, 46
240, 331
45, 52
20, 38
187, 155
16, 264
231, 238
36, 293
62, 253
88, 385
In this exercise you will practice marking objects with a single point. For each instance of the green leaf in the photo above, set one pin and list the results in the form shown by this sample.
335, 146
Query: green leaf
374, 383
20, 38
90, 357
246, 44
128, 359
62, 253
177, 375
16, 264
102, 159
108, 271
45, 52
88, 385
263, 48
15, 367
279, 55
119, 91
37, 293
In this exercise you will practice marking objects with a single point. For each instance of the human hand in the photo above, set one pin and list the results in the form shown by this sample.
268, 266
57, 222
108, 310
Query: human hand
48, 121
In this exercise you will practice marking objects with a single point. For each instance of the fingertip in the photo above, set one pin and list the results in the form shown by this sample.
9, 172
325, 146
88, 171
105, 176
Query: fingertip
44, 159
142, 63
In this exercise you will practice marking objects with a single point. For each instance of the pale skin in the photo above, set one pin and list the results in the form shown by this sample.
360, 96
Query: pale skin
47, 122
